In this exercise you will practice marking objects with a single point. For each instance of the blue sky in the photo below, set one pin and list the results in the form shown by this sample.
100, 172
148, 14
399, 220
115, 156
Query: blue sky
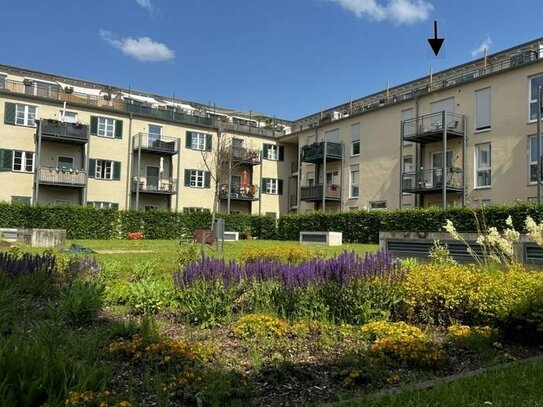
283, 57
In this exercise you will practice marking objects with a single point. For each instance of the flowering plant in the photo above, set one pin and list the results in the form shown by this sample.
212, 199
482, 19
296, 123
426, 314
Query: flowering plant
135, 235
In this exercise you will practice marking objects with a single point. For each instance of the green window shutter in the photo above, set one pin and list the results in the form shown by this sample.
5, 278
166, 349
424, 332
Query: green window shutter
92, 167
118, 129
280, 186
265, 151
116, 170
6, 160
188, 139
94, 125
114, 206
9, 113
209, 142
207, 179
281, 153
187, 178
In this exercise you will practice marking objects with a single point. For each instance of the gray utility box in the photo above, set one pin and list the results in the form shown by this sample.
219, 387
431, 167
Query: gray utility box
324, 238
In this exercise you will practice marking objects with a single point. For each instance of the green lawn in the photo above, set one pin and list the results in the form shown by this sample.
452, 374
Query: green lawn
512, 386
164, 252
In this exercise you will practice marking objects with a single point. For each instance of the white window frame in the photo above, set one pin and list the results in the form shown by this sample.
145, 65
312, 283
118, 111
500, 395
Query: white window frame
272, 186
377, 205
24, 157
197, 178
273, 152
355, 139
489, 127
532, 162
479, 168
102, 204
28, 117
73, 116
104, 169
531, 98
105, 127
354, 169
198, 141
310, 176
405, 170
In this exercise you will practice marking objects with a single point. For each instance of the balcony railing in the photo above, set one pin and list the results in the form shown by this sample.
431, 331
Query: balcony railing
431, 127
314, 153
245, 155
155, 185
432, 180
156, 144
62, 176
314, 192
443, 81
66, 132
239, 193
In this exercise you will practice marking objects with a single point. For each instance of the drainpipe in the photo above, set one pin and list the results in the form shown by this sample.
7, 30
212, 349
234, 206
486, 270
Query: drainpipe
138, 173
86, 160
37, 165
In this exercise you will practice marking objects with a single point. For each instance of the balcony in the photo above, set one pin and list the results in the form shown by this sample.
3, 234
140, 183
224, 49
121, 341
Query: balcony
72, 133
431, 181
432, 127
314, 193
245, 156
315, 153
155, 185
62, 176
154, 144
239, 193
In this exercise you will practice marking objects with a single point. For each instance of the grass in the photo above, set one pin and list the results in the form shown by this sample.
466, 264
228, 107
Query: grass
515, 385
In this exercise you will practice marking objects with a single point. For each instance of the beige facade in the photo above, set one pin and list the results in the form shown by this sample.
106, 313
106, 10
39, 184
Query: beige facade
464, 136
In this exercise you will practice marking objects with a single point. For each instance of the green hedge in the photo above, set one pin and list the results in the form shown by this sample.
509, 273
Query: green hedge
359, 227
89, 223
364, 226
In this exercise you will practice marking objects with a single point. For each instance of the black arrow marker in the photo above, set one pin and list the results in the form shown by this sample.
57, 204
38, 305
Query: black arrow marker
435, 42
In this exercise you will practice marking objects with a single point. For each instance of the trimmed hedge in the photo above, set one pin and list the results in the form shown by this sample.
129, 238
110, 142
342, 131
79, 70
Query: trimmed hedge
357, 227
88, 223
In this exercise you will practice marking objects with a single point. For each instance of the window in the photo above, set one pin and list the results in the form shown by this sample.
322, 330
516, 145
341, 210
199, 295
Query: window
533, 158
195, 210
332, 136
355, 139
273, 186
65, 162
150, 208
408, 164
198, 141
21, 200
68, 117
274, 152
310, 178
103, 205
482, 165
197, 179
482, 109
25, 115
41, 88
354, 180
104, 169
408, 180
23, 161
535, 83
409, 129
106, 127
378, 204
478, 203
237, 142
332, 178
3, 78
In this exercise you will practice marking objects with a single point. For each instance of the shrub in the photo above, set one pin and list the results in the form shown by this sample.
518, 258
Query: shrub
81, 301
285, 254
472, 337
259, 325
148, 296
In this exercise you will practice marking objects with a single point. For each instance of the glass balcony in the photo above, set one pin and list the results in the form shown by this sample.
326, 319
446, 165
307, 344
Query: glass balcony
155, 144
54, 130
432, 127
315, 192
431, 180
315, 154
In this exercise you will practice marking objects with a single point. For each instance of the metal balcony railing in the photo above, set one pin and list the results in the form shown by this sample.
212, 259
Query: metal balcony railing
432, 179
427, 127
158, 144
157, 185
245, 155
314, 153
62, 131
314, 192
238, 192
62, 176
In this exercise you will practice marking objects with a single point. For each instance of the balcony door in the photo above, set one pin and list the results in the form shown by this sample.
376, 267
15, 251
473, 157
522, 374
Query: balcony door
439, 106
437, 169
152, 180
332, 178
154, 134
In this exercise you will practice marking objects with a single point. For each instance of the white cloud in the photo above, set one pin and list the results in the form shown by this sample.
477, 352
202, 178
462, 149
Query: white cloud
481, 48
141, 48
145, 4
398, 11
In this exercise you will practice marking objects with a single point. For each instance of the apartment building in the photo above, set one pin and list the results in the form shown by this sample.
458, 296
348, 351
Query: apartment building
463, 136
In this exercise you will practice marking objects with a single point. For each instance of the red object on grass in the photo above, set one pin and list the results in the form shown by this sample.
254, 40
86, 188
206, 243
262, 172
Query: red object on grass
135, 235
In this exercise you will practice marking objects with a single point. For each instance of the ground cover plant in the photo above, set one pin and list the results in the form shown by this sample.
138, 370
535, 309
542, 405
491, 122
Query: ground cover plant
264, 323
